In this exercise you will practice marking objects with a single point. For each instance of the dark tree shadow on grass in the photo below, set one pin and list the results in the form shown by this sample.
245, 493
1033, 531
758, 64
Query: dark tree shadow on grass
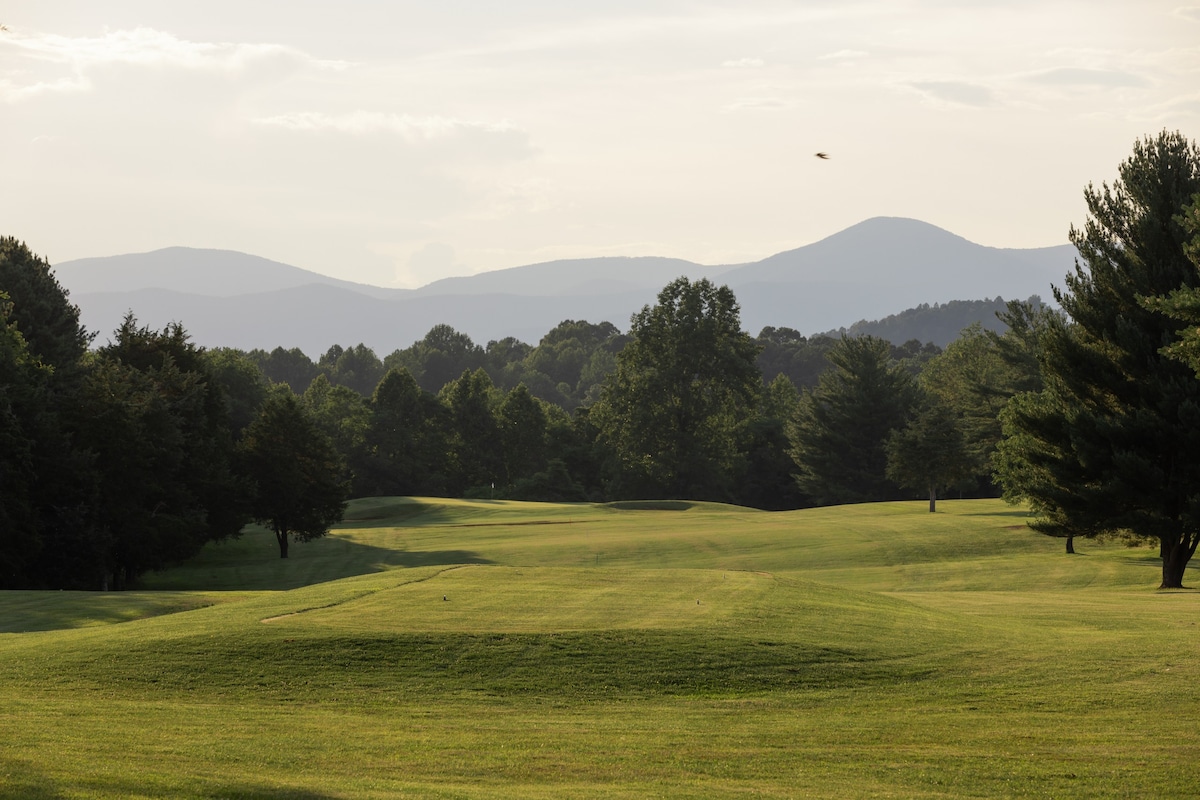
263, 793
19, 778
252, 563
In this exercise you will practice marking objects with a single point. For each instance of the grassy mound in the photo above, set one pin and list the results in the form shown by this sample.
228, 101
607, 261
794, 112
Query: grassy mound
436, 648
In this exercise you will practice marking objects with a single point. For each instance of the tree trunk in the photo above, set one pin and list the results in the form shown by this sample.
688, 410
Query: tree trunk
932, 499
282, 538
1070, 545
1178, 554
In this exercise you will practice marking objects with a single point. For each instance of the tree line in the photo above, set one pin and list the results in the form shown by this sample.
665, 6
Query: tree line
567, 367
130, 456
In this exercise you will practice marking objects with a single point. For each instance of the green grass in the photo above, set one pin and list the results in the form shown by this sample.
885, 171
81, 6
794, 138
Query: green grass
432, 648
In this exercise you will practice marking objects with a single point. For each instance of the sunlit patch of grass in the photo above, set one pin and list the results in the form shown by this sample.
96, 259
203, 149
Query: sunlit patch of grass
432, 648
43, 611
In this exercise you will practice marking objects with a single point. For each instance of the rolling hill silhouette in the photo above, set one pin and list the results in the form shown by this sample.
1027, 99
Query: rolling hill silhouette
876, 268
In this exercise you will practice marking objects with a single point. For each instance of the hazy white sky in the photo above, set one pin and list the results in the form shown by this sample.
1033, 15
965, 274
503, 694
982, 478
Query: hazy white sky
398, 142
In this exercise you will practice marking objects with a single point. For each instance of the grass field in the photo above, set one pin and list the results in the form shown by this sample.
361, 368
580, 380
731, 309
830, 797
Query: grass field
455, 649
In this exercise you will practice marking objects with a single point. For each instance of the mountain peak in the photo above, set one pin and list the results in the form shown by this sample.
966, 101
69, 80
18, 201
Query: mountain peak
877, 267
192, 270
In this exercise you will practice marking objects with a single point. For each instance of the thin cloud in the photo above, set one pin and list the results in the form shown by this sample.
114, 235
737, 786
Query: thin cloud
13, 93
956, 92
1187, 106
744, 63
143, 48
631, 28
149, 48
1079, 76
758, 104
841, 55
1189, 12
361, 123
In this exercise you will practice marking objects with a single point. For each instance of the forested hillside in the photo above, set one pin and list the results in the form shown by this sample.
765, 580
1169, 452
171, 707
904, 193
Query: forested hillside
131, 456
936, 323
877, 267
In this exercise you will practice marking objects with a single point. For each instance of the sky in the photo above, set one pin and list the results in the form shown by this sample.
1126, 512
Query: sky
395, 143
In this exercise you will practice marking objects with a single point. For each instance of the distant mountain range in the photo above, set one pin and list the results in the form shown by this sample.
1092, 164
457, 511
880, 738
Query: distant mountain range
876, 268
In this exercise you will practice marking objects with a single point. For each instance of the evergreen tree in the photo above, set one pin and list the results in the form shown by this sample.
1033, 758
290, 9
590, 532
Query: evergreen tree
156, 424
40, 308
46, 466
23, 390
766, 478
841, 427
146, 509
1183, 304
404, 442
1112, 441
475, 459
1020, 344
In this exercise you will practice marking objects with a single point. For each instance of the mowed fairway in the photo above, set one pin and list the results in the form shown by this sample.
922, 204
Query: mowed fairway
435, 648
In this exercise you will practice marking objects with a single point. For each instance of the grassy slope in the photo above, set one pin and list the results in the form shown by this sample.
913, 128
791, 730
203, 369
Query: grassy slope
472, 649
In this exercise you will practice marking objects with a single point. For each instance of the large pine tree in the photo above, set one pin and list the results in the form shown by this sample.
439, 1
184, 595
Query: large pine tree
1112, 441
23, 382
841, 428
40, 306
405, 447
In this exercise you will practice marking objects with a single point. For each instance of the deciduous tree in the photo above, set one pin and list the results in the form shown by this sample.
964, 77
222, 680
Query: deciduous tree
357, 368
242, 383
296, 473
929, 454
292, 367
521, 423
683, 385
342, 414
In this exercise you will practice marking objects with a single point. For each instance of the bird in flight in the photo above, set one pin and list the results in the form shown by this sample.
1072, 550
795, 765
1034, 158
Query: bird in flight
822, 155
